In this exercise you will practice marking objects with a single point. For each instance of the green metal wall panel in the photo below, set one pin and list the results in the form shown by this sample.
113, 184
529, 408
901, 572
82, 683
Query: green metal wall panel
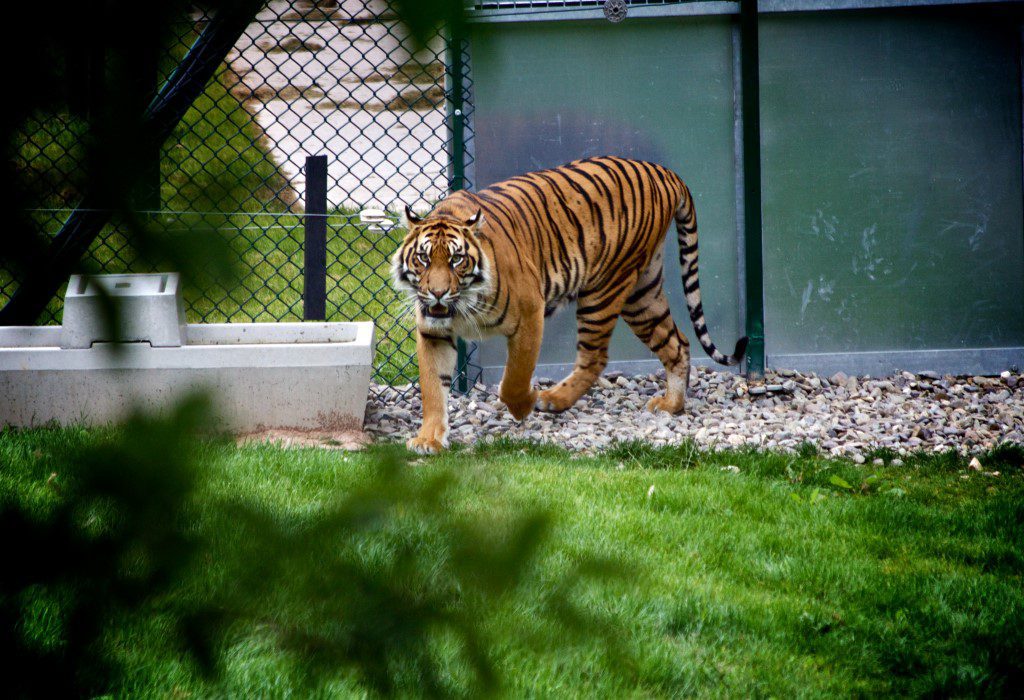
660, 90
891, 181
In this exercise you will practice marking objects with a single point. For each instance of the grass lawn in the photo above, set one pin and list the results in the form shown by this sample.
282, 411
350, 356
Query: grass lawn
735, 573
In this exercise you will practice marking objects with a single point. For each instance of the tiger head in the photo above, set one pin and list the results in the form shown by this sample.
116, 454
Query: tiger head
441, 267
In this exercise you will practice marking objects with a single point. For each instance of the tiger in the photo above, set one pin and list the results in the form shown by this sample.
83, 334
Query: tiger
501, 260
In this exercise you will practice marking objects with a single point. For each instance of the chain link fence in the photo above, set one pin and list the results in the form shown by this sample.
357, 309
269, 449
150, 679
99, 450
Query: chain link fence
336, 78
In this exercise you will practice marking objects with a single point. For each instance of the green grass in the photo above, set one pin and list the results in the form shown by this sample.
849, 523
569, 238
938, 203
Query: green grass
796, 575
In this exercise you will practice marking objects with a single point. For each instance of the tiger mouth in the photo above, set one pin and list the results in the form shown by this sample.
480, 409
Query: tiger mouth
438, 311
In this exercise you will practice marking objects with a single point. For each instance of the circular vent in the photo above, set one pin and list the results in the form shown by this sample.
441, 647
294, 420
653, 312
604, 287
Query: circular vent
615, 10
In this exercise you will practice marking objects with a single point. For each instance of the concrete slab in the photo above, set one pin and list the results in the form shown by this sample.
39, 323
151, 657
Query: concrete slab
260, 376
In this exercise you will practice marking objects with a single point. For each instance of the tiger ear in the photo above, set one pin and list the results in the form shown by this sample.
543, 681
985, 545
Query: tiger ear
476, 221
411, 217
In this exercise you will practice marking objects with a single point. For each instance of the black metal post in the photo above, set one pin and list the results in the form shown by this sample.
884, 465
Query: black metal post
145, 71
457, 179
314, 295
751, 101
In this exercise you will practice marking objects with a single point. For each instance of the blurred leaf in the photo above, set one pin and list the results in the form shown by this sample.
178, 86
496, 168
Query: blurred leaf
424, 16
108, 551
840, 482
375, 584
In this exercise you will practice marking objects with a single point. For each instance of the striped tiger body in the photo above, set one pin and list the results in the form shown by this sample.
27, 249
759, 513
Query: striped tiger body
498, 261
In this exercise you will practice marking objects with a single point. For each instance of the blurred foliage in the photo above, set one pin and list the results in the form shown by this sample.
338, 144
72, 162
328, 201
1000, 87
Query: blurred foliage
360, 585
105, 552
84, 85
384, 584
103, 125
423, 16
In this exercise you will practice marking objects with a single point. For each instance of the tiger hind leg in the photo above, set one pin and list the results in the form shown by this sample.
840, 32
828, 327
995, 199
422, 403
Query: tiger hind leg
647, 313
596, 315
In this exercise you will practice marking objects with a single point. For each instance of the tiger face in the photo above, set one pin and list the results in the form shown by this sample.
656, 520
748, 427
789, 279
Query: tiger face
440, 266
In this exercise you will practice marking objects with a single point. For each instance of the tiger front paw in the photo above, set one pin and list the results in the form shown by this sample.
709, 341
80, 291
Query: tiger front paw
520, 406
424, 446
664, 403
554, 401
428, 442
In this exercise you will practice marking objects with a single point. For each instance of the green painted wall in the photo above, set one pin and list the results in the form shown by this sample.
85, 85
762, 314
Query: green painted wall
660, 90
891, 163
891, 156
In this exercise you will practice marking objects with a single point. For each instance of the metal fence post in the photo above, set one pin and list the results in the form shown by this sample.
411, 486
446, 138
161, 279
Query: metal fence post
314, 295
456, 171
750, 105
144, 73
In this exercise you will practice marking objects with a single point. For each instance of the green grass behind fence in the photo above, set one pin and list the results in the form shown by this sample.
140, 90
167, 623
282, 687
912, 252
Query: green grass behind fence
217, 171
269, 287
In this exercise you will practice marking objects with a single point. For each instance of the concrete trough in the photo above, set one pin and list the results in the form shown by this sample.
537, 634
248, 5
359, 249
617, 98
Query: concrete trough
303, 376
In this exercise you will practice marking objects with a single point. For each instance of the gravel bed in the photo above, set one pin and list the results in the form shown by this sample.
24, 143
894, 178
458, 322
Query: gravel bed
839, 414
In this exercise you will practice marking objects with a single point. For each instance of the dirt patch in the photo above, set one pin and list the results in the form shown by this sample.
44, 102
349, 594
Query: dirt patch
417, 99
345, 439
333, 432
411, 73
333, 13
265, 93
411, 99
328, 105
291, 44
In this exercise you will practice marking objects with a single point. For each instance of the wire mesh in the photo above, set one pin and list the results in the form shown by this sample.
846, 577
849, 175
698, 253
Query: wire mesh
341, 78
560, 4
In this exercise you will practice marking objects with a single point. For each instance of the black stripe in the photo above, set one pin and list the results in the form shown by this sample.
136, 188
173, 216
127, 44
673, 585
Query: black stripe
595, 209
438, 338
638, 294
652, 322
663, 343
501, 316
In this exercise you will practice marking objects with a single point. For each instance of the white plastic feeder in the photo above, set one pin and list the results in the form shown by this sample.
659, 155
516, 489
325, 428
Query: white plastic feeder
308, 375
375, 220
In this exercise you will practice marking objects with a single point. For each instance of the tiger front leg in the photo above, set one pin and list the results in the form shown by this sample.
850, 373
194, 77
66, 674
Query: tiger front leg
517, 391
436, 355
